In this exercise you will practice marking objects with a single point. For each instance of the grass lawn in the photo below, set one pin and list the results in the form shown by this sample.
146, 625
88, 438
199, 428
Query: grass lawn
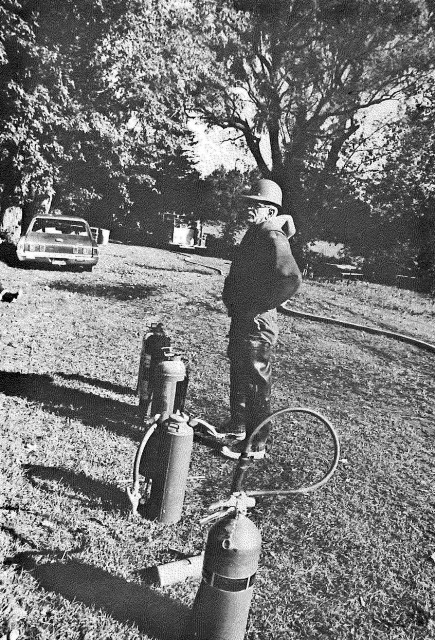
354, 560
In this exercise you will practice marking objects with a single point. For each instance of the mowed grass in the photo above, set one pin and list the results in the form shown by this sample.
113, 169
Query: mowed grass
356, 559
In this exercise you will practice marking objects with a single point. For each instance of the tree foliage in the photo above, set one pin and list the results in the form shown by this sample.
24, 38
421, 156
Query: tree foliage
293, 77
91, 100
177, 188
45, 57
95, 96
399, 221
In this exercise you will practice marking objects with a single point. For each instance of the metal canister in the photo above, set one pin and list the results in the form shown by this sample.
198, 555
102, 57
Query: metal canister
168, 487
221, 607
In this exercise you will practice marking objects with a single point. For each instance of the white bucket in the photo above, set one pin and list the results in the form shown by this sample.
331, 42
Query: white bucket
103, 236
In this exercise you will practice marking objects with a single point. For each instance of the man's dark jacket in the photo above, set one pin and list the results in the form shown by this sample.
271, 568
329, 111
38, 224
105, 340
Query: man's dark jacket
263, 273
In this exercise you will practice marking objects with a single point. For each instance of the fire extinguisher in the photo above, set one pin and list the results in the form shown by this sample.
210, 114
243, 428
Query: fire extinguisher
166, 473
221, 607
153, 343
167, 443
167, 483
167, 376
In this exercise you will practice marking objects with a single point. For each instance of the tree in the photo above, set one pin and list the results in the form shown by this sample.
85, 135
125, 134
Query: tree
292, 78
399, 223
177, 187
137, 96
223, 188
46, 53
92, 103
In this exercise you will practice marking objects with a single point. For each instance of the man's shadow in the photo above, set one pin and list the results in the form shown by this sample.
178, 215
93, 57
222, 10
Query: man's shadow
155, 614
91, 409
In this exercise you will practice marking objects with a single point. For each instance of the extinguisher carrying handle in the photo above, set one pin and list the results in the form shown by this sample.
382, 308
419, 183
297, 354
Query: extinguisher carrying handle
199, 426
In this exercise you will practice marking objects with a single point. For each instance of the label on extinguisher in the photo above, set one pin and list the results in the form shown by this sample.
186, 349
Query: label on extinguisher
143, 375
227, 584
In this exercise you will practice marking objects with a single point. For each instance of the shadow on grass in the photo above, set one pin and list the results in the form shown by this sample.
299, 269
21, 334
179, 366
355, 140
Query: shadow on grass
207, 306
96, 382
121, 292
155, 614
90, 409
97, 493
8, 254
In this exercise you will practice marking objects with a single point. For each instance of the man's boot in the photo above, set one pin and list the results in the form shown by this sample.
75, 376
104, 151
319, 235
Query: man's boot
235, 427
257, 397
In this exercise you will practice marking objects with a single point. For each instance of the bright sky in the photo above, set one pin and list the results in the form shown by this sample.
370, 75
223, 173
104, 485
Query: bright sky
214, 147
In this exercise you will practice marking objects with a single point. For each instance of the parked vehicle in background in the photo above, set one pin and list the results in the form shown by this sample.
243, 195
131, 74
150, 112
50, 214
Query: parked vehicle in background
186, 233
58, 240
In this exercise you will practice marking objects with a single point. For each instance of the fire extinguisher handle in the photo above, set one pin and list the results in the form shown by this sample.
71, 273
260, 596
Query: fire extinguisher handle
216, 516
238, 502
198, 425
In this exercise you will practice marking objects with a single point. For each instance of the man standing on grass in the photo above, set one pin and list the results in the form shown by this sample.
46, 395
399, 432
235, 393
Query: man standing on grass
262, 276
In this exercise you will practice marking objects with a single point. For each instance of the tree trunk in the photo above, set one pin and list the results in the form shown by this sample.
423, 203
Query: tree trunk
10, 211
10, 227
288, 176
40, 205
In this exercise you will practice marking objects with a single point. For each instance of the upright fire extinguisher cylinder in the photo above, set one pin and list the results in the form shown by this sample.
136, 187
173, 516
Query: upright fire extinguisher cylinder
166, 375
175, 442
153, 344
221, 607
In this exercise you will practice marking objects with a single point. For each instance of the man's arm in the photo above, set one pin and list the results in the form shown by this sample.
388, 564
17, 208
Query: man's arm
279, 279
283, 278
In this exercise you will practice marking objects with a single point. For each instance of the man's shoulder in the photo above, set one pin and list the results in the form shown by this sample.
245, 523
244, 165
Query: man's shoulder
271, 229
275, 237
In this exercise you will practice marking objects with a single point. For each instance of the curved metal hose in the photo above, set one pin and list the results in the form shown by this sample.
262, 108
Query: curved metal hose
133, 493
245, 461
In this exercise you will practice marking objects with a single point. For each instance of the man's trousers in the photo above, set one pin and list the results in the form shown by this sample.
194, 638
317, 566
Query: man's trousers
251, 342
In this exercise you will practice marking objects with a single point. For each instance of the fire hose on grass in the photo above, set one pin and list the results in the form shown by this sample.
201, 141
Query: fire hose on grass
285, 310
134, 493
245, 461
